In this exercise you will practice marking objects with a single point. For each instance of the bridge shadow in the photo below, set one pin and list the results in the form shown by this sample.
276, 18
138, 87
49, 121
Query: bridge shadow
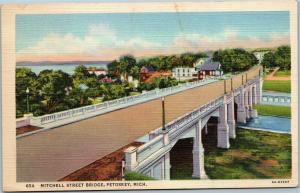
209, 139
181, 155
181, 159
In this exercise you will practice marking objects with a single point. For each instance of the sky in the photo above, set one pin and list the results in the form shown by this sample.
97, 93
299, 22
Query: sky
107, 36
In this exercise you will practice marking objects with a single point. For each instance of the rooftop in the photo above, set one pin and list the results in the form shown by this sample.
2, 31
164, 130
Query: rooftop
209, 64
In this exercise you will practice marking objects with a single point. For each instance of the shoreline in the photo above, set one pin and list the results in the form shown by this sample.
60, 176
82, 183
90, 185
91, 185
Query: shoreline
262, 129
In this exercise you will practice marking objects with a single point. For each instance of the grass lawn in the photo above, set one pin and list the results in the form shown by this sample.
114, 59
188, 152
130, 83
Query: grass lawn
252, 155
136, 176
283, 73
277, 85
134, 93
280, 111
183, 173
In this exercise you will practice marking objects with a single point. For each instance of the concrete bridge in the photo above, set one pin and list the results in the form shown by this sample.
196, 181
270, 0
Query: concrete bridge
153, 158
72, 139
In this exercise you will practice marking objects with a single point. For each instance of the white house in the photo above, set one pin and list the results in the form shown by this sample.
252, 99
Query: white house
184, 73
97, 72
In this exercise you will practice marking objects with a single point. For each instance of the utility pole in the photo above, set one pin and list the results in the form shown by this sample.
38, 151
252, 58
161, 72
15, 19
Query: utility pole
163, 113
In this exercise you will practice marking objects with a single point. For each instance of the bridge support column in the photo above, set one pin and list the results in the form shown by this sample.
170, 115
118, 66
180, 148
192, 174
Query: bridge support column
198, 154
167, 165
250, 101
241, 111
253, 112
130, 158
223, 130
246, 101
254, 96
231, 120
258, 89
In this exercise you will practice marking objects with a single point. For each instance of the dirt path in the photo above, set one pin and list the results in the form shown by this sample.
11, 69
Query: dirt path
273, 77
107, 168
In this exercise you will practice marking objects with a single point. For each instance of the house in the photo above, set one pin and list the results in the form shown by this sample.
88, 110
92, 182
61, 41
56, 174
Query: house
146, 72
187, 73
97, 72
200, 62
209, 68
106, 80
184, 73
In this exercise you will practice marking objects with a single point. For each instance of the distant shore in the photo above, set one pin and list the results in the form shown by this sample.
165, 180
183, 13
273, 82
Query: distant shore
30, 63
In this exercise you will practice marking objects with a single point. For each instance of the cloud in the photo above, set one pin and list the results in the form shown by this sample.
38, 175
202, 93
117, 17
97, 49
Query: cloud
229, 39
103, 43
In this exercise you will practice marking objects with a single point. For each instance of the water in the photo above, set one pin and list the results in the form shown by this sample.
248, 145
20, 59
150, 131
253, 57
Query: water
270, 123
68, 68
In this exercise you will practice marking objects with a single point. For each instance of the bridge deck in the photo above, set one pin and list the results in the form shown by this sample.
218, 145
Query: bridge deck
55, 153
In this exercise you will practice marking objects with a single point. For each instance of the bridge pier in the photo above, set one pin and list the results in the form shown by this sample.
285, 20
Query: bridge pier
198, 154
253, 101
223, 129
241, 110
167, 166
258, 89
231, 120
246, 102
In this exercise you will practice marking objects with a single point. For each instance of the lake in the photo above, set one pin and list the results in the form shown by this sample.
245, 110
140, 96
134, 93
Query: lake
269, 123
68, 68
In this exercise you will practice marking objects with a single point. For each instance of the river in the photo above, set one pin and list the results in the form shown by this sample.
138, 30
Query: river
269, 123
68, 68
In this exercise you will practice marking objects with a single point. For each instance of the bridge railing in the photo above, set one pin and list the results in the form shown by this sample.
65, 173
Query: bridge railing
114, 104
177, 127
174, 129
276, 99
92, 110
149, 148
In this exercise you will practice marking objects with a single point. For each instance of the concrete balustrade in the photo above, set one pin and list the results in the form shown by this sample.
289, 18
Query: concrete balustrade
130, 158
282, 99
68, 116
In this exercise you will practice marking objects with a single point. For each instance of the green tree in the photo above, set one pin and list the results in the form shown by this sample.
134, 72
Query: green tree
113, 69
53, 87
235, 60
268, 60
126, 64
81, 73
25, 78
283, 57
113, 92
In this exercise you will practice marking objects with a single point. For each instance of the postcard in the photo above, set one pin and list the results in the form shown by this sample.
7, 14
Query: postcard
172, 95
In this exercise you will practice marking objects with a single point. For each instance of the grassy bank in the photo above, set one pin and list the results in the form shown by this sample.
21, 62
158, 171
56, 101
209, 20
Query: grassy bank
252, 155
272, 110
283, 73
277, 85
132, 176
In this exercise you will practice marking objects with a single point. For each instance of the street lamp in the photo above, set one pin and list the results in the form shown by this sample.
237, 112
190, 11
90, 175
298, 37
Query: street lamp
27, 93
163, 113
